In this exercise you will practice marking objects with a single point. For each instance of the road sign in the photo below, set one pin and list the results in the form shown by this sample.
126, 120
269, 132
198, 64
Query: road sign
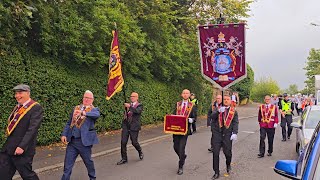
222, 53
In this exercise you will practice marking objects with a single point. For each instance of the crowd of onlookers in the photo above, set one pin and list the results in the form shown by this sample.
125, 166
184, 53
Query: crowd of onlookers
300, 101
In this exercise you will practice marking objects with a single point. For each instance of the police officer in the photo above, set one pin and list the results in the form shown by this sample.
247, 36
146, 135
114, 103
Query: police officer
286, 107
224, 128
195, 102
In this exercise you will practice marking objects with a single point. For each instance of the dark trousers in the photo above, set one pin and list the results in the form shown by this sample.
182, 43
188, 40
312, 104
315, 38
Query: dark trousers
286, 121
193, 126
124, 141
179, 146
10, 164
221, 140
299, 110
211, 141
269, 132
74, 148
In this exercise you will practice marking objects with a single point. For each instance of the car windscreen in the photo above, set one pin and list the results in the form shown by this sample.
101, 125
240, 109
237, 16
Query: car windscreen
313, 119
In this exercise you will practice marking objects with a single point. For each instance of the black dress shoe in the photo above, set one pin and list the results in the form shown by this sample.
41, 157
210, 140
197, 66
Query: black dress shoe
122, 161
269, 154
210, 149
216, 176
228, 169
260, 155
141, 155
288, 137
180, 171
283, 140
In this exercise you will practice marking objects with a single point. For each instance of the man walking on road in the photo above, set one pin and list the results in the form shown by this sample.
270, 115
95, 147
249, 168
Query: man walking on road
224, 128
184, 107
20, 147
80, 135
131, 126
286, 107
268, 121
215, 105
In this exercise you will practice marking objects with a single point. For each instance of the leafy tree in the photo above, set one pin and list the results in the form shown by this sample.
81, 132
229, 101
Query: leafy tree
292, 89
244, 86
54, 45
312, 68
262, 87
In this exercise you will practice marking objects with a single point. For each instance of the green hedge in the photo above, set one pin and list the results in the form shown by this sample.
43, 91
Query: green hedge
58, 87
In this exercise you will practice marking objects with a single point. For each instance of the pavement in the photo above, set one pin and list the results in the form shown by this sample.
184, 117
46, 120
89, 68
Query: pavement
48, 161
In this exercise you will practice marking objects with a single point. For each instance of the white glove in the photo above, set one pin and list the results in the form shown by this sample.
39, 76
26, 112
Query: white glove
234, 137
275, 125
222, 108
190, 120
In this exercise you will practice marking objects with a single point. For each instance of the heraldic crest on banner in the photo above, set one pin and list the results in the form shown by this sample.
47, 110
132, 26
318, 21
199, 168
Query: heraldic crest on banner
222, 56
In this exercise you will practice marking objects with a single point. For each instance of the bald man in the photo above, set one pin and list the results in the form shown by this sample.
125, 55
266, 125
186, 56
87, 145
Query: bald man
80, 135
183, 107
131, 125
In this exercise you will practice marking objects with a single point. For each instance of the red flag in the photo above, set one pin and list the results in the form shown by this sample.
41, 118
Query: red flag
115, 81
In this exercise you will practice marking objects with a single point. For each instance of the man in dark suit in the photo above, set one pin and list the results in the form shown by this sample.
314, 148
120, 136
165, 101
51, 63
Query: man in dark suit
224, 128
131, 125
81, 135
215, 105
184, 107
20, 147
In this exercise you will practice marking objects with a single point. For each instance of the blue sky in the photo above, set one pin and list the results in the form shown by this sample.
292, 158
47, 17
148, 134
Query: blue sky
279, 39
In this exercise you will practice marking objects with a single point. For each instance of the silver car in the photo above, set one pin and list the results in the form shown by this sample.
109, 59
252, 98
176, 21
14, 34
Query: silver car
306, 125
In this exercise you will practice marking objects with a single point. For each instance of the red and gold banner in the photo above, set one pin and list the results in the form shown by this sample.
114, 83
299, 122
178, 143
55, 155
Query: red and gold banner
115, 81
176, 124
222, 52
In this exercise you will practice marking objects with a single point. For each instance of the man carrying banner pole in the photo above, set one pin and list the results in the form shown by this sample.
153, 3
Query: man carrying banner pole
224, 128
131, 126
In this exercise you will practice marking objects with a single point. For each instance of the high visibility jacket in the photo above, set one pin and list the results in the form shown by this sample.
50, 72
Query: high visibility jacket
195, 101
286, 106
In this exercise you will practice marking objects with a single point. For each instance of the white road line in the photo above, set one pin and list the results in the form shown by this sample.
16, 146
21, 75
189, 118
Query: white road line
250, 132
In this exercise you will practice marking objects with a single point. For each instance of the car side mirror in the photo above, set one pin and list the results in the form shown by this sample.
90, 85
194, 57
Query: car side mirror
287, 168
296, 125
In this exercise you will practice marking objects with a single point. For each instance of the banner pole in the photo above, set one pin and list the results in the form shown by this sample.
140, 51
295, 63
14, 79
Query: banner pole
123, 74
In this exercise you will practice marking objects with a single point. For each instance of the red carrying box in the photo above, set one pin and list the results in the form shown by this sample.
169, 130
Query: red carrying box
176, 124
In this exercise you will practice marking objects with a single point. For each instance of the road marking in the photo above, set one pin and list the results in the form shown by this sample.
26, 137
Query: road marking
114, 150
250, 132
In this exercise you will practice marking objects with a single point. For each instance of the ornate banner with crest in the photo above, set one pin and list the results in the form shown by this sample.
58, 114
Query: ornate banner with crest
222, 52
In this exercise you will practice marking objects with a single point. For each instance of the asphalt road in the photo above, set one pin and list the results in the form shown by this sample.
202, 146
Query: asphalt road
161, 163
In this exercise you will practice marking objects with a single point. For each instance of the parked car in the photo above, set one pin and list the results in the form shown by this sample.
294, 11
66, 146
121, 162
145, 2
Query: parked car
307, 167
306, 125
